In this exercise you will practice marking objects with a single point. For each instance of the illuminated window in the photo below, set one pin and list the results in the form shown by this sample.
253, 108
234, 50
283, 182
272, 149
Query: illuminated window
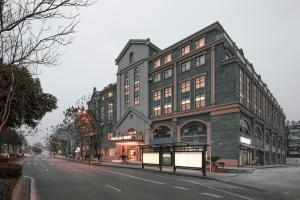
168, 73
185, 50
168, 108
200, 61
156, 95
109, 112
185, 86
200, 82
242, 86
136, 86
157, 63
157, 110
126, 90
137, 100
168, 92
200, 101
185, 66
109, 136
168, 58
185, 104
157, 77
200, 43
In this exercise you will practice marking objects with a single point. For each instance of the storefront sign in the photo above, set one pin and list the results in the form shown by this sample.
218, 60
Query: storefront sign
245, 140
125, 137
188, 159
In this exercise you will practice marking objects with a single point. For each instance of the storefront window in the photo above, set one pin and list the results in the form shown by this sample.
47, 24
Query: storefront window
162, 132
194, 132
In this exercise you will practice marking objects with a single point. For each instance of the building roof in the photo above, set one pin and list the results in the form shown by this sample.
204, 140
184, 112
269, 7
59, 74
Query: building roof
136, 41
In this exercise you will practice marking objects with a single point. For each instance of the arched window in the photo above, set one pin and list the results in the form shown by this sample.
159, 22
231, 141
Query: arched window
162, 132
245, 127
194, 132
131, 58
136, 86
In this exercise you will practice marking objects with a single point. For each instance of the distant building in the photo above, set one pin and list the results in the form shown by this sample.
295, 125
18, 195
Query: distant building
293, 150
104, 105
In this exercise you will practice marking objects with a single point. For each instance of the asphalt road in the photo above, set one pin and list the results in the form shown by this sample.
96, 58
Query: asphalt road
57, 179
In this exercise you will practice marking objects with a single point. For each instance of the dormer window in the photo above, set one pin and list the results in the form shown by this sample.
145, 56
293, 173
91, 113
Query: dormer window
168, 58
131, 58
185, 50
157, 63
200, 43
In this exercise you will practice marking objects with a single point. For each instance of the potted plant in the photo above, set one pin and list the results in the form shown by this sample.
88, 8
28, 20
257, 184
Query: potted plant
214, 166
123, 157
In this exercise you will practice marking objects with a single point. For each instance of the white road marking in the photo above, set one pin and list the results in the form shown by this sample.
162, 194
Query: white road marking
220, 190
135, 177
33, 193
113, 188
47, 169
180, 188
211, 195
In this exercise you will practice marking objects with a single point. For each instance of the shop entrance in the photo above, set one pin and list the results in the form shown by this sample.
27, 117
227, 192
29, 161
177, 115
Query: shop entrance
132, 154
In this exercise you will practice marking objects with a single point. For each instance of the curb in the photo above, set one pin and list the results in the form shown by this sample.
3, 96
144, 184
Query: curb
33, 193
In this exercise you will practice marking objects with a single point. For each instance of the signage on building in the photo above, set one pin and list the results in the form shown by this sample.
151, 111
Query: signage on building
125, 137
245, 140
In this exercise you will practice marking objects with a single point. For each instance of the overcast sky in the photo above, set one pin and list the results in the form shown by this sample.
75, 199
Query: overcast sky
267, 30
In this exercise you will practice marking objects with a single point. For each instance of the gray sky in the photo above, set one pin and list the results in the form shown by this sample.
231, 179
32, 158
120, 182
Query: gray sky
267, 30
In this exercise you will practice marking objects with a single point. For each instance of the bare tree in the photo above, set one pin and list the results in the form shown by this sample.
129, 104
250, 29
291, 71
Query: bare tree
31, 32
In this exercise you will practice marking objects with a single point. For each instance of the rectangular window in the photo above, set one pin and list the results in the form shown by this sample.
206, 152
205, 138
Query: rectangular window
200, 61
168, 73
247, 92
157, 63
109, 112
185, 50
168, 108
157, 77
109, 136
168, 58
200, 82
156, 95
185, 86
136, 100
200, 43
157, 110
185, 66
254, 99
200, 101
241, 86
185, 104
168, 92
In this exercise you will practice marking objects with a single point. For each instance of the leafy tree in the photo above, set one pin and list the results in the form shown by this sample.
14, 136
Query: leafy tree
31, 32
28, 103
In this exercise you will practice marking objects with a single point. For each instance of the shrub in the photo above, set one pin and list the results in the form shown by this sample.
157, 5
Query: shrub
123, 157
3, 159
8, 170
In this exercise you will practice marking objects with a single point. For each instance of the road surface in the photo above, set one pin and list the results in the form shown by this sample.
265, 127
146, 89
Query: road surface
57, 179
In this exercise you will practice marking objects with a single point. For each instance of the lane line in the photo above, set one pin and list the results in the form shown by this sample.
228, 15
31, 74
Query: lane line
180, 188
135, 177
211, 195
220, 190
113, 188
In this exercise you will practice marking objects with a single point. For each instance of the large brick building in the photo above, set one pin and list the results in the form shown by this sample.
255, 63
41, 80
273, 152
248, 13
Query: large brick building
199, 90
